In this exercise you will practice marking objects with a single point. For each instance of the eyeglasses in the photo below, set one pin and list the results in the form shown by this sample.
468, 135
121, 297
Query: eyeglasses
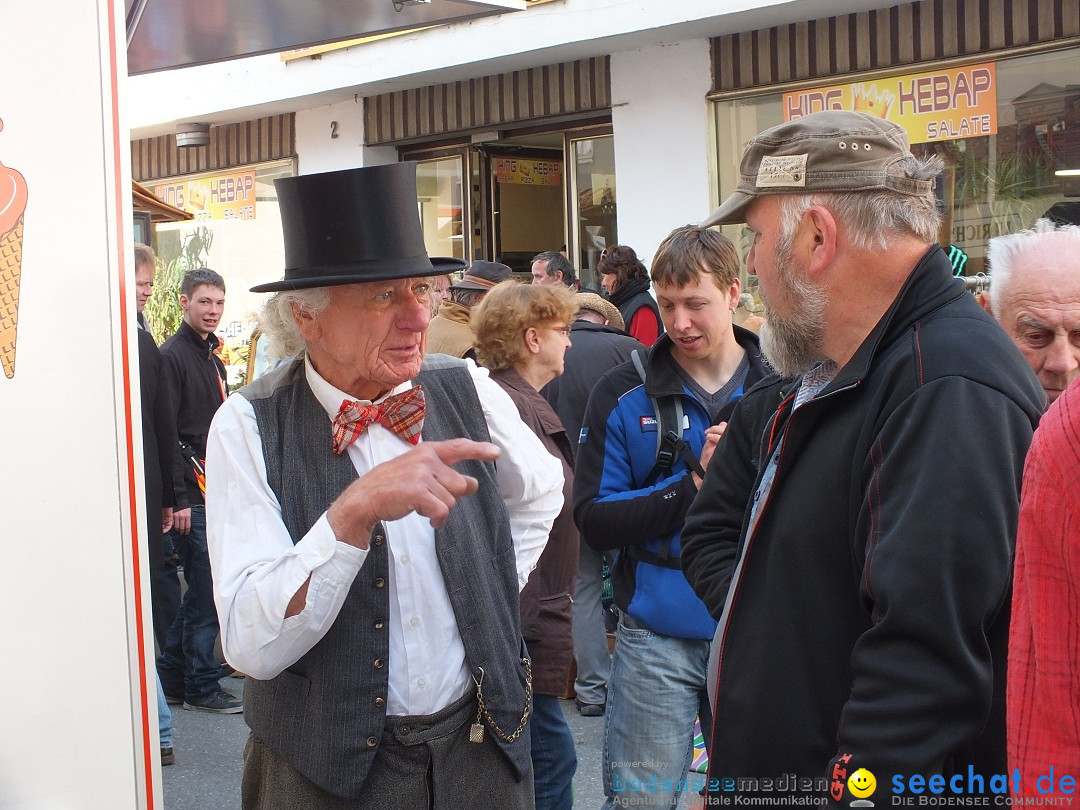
564, 329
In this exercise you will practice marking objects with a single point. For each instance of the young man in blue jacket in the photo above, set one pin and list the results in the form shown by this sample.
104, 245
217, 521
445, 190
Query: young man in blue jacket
625, 500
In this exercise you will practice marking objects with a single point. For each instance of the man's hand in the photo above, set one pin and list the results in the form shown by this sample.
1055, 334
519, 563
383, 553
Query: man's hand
422, 481
166, 518
182, 521
712, 438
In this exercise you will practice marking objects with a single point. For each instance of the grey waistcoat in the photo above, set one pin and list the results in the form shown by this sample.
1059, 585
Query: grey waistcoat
325, 713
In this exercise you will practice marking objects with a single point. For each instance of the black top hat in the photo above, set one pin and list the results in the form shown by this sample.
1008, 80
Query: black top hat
482, 275
353, 226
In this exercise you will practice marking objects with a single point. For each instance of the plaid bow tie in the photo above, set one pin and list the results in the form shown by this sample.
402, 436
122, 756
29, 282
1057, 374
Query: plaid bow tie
403, 414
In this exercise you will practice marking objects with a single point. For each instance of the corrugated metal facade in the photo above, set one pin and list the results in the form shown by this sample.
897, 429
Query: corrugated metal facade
488, 102
242, 144
925, 31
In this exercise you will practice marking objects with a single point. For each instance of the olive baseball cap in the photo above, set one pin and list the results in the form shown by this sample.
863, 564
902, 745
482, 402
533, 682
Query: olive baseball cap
835, 150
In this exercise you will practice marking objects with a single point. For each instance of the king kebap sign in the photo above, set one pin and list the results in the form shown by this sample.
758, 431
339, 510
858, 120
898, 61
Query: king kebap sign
939, 105
221, 196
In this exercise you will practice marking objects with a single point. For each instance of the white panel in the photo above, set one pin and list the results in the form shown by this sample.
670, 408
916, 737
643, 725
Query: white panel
71, 735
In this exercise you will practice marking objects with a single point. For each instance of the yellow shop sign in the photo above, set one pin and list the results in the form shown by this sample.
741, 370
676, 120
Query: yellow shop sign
939, 105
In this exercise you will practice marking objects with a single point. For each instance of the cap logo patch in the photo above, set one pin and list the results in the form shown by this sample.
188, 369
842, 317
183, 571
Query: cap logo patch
783, 171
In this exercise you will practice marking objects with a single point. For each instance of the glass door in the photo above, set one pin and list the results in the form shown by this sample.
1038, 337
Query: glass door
592, 200
442, 199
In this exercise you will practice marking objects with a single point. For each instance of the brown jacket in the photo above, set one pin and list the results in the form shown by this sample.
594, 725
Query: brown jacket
449, 332
546, 600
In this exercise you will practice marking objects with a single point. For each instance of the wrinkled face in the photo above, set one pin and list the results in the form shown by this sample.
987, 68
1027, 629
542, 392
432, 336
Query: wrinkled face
608, 281
697, 317
370, 337
540, 274
144, 284
203, 308
1041, 313
794, 306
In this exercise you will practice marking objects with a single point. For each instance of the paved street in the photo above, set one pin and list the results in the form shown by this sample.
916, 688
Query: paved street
209, 751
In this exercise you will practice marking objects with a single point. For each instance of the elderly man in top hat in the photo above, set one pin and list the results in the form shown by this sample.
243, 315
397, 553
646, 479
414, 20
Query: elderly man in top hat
866, 509
367, 552
450, 332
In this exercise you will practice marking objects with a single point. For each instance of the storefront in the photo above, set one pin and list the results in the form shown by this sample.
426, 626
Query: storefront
510, 165
995, 95
228, 187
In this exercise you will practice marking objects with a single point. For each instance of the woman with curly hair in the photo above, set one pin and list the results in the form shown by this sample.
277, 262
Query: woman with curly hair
522, 332
626, 281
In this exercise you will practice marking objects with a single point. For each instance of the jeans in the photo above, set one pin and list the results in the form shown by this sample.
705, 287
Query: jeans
164, 593
164, 717
590, 639
187, 663
553, 756
657, 690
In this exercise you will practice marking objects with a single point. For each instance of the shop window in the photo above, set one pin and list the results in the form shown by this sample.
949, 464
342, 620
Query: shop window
236, 232
1008, 131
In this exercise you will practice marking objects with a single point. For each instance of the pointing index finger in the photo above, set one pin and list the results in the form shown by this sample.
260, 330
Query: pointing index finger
452, 451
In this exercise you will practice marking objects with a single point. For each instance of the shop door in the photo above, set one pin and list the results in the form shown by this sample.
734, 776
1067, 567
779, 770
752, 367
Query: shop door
527, 214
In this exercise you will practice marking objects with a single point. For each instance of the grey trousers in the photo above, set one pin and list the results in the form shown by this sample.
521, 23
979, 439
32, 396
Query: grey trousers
590, 639
422, 762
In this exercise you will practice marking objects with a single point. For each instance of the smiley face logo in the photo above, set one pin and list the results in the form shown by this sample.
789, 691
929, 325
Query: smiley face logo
862, 783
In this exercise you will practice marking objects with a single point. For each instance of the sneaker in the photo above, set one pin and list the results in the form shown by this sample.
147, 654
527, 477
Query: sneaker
174, 700
220, 702
167, 757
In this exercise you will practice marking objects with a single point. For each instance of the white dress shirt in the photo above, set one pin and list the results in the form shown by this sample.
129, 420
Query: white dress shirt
257, 569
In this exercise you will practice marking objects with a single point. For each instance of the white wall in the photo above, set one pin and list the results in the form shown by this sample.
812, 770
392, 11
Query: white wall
659, 115
319, 152
316, 145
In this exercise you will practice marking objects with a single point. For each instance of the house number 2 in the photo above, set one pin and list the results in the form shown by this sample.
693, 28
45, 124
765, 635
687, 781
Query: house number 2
333, 129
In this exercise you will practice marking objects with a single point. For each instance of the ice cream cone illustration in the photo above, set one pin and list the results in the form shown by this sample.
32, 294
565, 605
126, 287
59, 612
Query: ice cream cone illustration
12, 207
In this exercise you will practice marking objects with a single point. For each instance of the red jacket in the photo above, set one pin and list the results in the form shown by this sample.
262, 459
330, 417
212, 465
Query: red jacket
1044, 646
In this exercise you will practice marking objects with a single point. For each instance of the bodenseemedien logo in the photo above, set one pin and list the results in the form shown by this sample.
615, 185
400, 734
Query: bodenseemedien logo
862, 785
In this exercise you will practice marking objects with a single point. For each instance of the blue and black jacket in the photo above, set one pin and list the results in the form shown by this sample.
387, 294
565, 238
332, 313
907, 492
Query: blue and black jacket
615, 506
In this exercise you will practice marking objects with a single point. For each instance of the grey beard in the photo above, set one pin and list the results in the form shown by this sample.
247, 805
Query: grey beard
791, 342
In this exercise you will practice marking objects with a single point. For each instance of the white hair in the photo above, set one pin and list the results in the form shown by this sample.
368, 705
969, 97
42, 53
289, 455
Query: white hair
873, 218
283, 338
1003, 253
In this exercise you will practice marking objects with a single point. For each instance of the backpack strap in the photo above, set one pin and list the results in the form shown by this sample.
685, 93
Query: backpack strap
669, 429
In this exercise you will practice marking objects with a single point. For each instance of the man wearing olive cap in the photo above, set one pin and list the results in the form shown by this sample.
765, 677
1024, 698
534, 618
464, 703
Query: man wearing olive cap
866, 516
367, 554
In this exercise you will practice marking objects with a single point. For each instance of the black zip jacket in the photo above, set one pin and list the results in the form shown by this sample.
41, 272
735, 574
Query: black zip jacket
195, 378
867, 627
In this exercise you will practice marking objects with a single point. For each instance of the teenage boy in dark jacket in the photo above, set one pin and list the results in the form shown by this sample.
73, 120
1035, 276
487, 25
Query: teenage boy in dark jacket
865, 627
625, 501
188, 667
